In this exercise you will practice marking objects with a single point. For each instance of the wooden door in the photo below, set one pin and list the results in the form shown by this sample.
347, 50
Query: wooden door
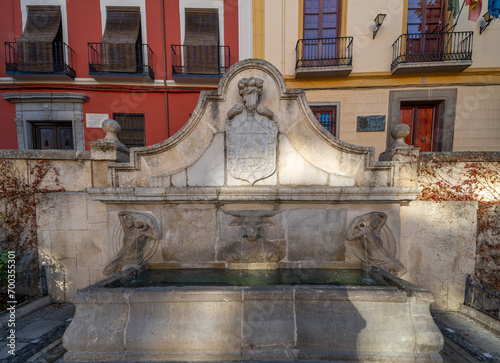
47, 136
423, 120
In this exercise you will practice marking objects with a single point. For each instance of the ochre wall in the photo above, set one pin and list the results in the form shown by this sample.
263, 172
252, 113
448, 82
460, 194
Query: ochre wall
477, 127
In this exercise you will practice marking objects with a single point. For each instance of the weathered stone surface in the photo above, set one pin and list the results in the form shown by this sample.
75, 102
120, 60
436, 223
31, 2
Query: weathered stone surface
185, 328
189, 234
268, 326
62, 211
239, 323
295, 170
438, 248
268, 323
92, 334
209, 169
316, 234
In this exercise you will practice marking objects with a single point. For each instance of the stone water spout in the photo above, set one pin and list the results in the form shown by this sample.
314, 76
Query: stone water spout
371, 241
253, 245
140, 241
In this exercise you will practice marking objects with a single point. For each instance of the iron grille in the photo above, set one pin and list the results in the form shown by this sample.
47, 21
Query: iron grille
115, 58
432, 47
133, 132
323, 52
326, 116
480, 298
184, 56
60, 57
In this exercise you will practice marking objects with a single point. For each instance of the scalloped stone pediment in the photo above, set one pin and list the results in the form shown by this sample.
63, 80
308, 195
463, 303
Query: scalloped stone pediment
252, 132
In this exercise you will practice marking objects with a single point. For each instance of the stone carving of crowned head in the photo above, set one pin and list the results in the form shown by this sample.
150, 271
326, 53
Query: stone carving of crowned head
250, 90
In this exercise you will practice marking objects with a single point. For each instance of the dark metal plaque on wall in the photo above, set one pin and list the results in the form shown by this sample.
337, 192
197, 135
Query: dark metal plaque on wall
371, 123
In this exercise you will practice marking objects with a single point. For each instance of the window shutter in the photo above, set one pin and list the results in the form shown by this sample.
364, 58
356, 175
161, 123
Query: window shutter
35, 49
201, 40
118, 52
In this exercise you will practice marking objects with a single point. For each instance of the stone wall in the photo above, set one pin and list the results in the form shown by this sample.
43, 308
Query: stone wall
438, 248
62, 233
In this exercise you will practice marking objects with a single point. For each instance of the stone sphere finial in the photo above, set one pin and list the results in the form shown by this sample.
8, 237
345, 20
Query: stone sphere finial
112, 128
399, 132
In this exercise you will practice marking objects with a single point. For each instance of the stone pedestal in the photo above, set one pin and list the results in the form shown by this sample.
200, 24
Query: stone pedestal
110, 148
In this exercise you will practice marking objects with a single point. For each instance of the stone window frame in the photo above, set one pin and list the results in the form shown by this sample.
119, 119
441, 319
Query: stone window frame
448, 99
60, 3
337, 113
50, 107
202, 4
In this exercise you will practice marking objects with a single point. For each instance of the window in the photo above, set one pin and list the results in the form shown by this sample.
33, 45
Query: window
426, 19
121, 42
46, 135
40, 48
201, 41
425, 16
424, 122
321, 28
133, 132
327, 117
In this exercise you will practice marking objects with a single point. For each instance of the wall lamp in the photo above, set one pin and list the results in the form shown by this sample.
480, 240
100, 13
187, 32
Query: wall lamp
379, 19
487, 18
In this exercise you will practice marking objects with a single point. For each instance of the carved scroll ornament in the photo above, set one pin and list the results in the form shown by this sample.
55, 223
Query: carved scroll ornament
140, 241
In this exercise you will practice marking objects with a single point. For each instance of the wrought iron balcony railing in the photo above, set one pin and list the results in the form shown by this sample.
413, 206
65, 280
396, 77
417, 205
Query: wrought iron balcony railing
204, 60
323, 52
482, 299
123, 59
432, 47
39, 58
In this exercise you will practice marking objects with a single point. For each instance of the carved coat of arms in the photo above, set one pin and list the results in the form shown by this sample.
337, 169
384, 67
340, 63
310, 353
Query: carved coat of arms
251, 135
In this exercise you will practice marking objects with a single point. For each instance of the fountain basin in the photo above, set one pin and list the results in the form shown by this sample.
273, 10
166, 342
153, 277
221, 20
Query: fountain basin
300, 322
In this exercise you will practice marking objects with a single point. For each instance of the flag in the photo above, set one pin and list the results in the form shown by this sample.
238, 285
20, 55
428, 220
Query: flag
475, 7
494, 8
454, 7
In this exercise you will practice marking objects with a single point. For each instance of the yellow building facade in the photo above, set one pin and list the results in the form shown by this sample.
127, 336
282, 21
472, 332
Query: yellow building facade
427, 65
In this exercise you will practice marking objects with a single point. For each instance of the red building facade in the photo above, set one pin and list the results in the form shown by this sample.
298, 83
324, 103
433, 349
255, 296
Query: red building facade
142, 62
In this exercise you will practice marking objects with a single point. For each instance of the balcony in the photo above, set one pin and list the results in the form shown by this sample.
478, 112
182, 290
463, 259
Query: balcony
30, 61
432, 52
323, 57
115, 62
200, 63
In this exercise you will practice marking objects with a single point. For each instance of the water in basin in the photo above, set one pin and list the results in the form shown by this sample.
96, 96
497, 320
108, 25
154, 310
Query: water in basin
229, 277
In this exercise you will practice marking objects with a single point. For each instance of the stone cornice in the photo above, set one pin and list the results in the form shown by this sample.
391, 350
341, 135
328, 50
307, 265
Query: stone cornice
18, 97
254, 194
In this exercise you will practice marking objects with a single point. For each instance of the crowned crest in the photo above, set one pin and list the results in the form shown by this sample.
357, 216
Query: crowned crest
251, 135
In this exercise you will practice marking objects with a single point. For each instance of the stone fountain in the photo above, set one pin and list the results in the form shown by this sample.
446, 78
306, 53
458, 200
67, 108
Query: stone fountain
253, 182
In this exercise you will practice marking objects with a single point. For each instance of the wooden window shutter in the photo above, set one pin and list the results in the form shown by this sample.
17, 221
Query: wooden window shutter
118, 52
35, 48
201, 41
